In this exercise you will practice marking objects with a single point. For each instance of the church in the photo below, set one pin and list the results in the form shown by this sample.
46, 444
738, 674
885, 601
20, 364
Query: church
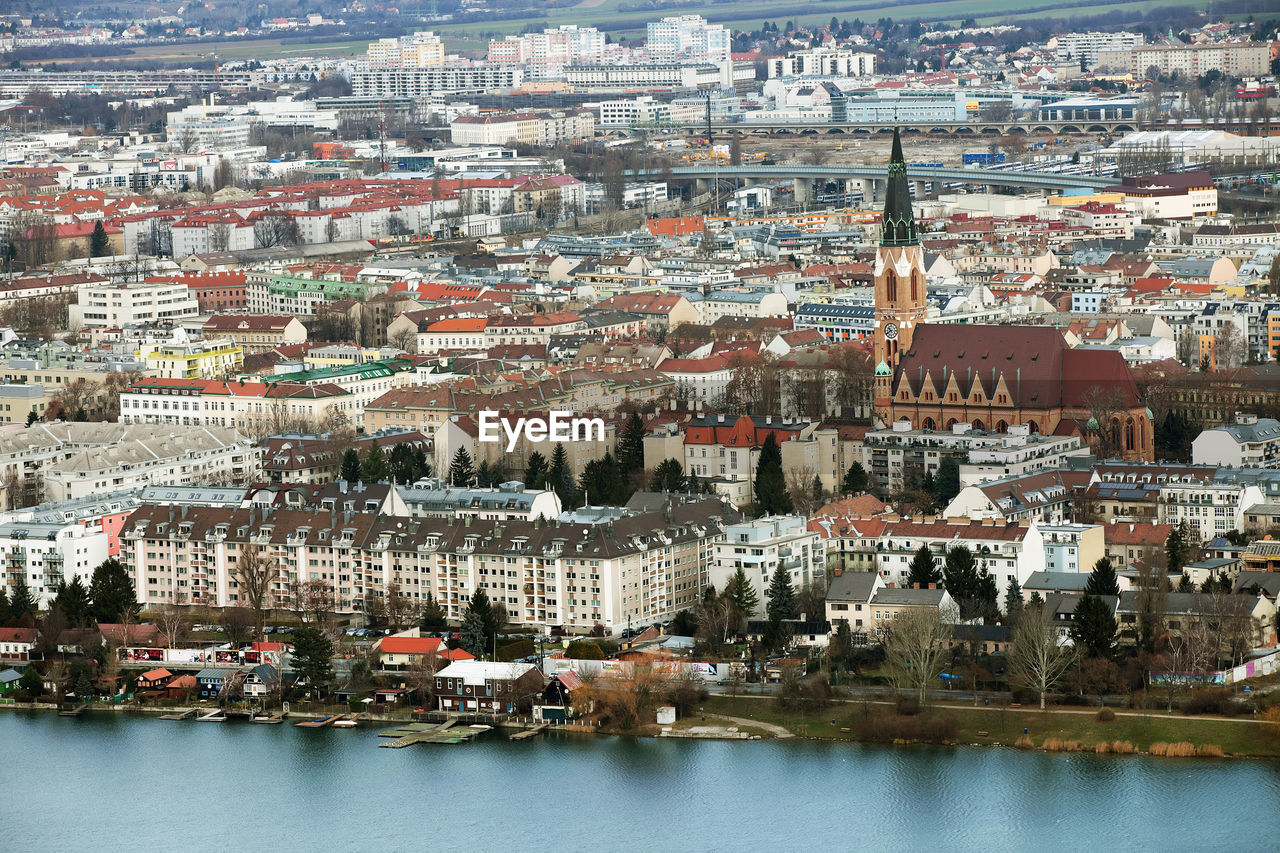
989, 377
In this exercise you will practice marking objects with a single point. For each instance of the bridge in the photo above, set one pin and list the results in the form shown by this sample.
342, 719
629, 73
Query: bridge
872, 175
1095, 124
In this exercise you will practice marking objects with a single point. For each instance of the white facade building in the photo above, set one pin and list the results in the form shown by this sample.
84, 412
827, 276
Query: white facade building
758, 547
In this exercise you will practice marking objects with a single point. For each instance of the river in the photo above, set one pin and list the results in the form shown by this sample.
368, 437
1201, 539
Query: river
121, 782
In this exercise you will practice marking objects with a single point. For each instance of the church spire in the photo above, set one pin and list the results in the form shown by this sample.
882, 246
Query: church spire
898, 226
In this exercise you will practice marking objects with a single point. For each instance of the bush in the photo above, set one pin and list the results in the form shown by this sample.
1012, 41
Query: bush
1212, 700
1106, 715
584, 650
1182, 749
1024, 742
908, 706
941, 729
1211, 750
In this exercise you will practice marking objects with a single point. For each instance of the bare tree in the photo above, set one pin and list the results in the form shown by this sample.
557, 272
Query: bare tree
252, 574
237, 622
915, 648
401, 609
420, 676
174, 622
405, 340
1104, 406
1229, 348
1037, 658
275, 228
219, 236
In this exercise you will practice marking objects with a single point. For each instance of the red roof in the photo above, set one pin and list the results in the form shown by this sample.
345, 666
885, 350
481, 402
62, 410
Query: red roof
17, 635
409, 645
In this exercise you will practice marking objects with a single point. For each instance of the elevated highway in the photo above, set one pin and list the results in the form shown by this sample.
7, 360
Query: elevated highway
876, 174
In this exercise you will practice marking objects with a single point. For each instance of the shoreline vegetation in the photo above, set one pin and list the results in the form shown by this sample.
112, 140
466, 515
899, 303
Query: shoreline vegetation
879, 722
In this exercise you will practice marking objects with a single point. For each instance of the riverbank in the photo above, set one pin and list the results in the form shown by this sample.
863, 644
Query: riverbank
875, 722
1056, 729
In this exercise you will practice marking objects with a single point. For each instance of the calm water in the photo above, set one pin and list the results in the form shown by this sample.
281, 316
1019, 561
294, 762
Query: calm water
108, 782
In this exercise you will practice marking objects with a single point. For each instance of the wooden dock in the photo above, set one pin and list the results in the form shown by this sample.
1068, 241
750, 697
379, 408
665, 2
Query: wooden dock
445, 732
73, 712
320, 722
528, 733
274, 719
181, 715
217, 716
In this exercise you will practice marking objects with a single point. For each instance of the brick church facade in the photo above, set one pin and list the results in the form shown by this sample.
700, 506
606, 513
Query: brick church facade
990, 377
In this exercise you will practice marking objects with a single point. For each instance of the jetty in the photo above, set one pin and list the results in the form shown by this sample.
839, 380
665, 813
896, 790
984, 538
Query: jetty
528, 733
274, 719
73, 712
320, 722
446, 732
180, 715
216, 716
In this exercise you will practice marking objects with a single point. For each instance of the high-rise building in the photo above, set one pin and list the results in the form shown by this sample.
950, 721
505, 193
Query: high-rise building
688, 37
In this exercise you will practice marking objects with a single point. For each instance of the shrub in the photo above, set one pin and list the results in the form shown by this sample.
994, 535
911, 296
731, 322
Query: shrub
940, 729
1211, 750
1106, 715
1211, 700
1182, 749
908, 706
1024, 742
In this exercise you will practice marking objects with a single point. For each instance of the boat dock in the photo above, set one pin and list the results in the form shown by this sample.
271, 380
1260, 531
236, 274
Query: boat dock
320, 722
445, 732
73, 712
274, 719
528, 733
218, 716
181, 715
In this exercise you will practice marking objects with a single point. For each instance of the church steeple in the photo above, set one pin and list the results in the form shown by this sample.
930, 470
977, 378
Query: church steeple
898, 227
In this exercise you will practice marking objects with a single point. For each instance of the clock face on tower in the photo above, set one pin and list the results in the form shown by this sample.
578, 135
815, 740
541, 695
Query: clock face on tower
890, 331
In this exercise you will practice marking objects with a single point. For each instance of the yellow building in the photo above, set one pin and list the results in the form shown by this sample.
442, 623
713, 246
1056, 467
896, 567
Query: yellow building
200, 360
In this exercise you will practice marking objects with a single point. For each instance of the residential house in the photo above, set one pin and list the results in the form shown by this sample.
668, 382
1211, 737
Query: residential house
487, 686
17, 643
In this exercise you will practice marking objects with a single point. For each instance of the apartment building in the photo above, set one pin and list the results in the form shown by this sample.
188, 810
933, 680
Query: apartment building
208, 359
424, 83
256, 333
634, 570
133, 303
44, 554
823, 62
760, 546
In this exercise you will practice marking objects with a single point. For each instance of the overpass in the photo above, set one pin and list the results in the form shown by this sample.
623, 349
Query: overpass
1093, 125
871, 175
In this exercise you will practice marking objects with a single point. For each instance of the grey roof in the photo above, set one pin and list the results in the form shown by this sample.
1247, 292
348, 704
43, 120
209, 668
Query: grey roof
1177, 602
1057, 581
1268, 582
851, 586
9, 675
918, 597
1265, 429
442, 498
212, 674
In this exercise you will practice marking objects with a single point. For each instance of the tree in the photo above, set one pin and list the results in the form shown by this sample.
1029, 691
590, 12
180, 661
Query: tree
481, 611
960, 575
74, 602
1037, 659
602, 482
251, 575
1175, 547
668, 476
535, 474
275, 228
472, 633
350, 465
947, 482
433, 616
400, 607
237, 624
1229, 347
312, 657
771, 494
560, 476
915, 648
923, 571
99, 243
21, 601
374, 468
742, 598
461, 471
1151, 600
112, 593
1102, 580
406, 467
631, 445
1093, 628
817, 491
1013, 600
174, 622
855, 480
782, 597
31, 683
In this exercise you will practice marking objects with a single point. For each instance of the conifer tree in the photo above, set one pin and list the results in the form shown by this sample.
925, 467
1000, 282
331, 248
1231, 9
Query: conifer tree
782, 597
923, 570
772, 497
1102, 580
374, 468
461, 471
350, 465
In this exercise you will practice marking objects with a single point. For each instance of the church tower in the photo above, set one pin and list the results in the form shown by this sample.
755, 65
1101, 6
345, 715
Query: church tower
899, 281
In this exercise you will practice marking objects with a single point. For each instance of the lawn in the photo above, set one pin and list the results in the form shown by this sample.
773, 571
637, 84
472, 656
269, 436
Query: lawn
1239, 736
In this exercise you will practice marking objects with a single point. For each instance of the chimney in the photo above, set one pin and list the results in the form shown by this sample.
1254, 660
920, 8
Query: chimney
933, 586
